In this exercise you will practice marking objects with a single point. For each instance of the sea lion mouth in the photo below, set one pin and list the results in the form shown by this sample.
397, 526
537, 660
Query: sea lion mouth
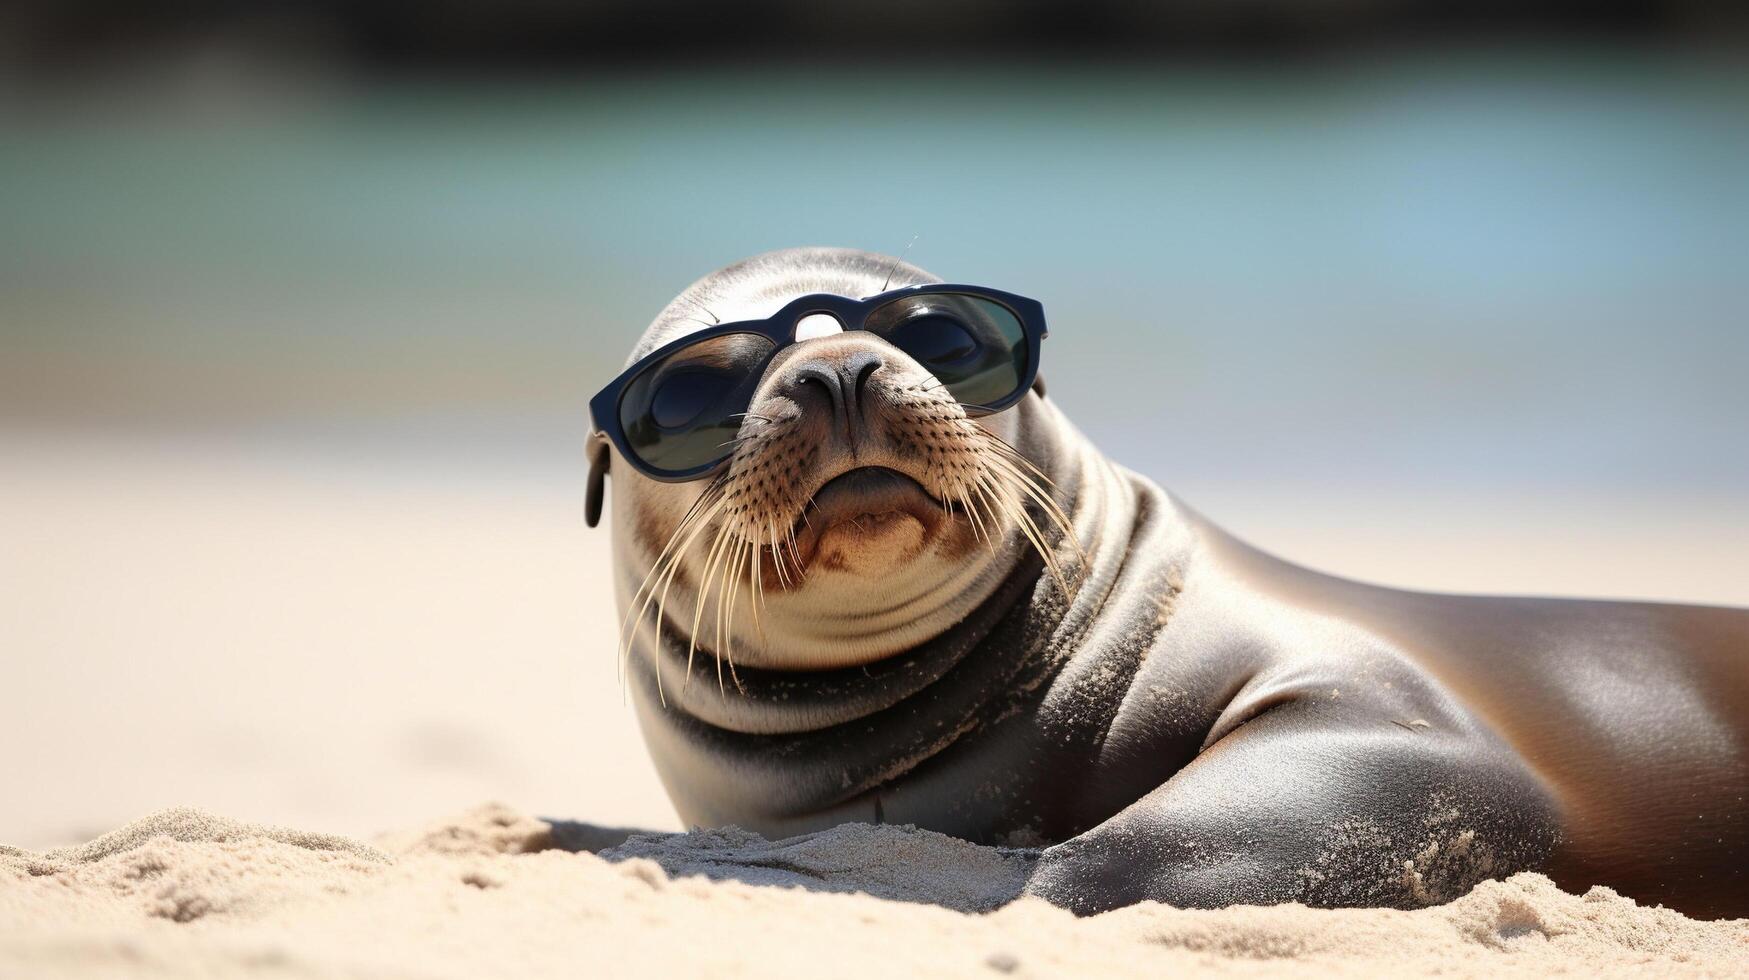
863, 504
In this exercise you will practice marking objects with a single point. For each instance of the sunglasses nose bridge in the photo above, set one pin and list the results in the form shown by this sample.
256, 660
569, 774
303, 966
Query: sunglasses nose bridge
812, 326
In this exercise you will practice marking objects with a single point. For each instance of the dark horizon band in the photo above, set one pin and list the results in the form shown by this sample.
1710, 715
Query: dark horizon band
1008, 366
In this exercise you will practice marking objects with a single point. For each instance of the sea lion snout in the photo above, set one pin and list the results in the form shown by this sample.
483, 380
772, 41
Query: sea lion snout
832, 376
850, 448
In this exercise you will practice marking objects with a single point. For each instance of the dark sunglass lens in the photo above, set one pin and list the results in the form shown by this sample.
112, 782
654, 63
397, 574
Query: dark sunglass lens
683, 396
974, 346
935, 341
681, 413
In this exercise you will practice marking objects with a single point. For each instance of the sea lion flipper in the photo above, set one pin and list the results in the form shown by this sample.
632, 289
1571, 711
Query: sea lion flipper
1333, 815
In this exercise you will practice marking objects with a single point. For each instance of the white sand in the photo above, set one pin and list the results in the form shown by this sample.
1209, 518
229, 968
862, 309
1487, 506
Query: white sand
347, 644
185, 893
323, 639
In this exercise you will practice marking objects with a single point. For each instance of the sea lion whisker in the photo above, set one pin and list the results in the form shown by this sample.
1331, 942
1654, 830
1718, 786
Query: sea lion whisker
898, 261
1005, 505
704, 588
965, 503
714, 318
987, 518
951, 500
757, 591
722, 582
742, 553
662, 604
656, 566
727, 593
776, 556
796, 554
1049, 553
977, 521
1050, 507
1023, 483
778, 559
1017, 513
991, 516
1005, 451
743, 562
736, 678
697, 519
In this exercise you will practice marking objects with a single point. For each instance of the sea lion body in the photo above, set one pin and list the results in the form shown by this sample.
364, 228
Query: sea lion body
1199, 723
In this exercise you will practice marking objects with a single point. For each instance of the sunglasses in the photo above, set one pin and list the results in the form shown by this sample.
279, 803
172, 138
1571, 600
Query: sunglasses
674, 415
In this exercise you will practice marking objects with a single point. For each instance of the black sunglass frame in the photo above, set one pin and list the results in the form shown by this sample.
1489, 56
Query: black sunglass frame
780, 329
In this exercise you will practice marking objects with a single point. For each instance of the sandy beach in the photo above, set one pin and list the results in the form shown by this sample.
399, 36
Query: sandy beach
347, 645
497, 893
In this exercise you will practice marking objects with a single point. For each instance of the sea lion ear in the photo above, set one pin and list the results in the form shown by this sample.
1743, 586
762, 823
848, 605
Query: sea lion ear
600, 461
1038, 384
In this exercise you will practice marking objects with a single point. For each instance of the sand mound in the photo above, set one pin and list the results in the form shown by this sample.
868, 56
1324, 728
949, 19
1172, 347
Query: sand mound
496, 893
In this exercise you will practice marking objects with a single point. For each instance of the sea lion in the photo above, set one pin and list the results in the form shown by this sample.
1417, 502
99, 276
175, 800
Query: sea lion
1090, 667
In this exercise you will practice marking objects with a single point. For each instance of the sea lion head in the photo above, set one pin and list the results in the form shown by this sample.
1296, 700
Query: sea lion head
863, 511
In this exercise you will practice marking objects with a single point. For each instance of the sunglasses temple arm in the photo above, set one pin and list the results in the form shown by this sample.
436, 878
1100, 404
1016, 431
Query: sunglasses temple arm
600, 461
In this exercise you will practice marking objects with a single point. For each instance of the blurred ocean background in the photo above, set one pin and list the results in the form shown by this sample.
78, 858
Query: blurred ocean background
296, 355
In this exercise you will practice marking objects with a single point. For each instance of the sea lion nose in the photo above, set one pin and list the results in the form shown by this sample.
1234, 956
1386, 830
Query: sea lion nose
842, 378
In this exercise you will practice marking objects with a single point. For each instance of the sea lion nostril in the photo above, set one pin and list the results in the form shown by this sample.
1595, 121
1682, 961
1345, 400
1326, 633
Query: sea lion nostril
826, 379
860, 368
844, 380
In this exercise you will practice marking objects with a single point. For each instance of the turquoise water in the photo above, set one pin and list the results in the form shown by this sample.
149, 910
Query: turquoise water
1520, 272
